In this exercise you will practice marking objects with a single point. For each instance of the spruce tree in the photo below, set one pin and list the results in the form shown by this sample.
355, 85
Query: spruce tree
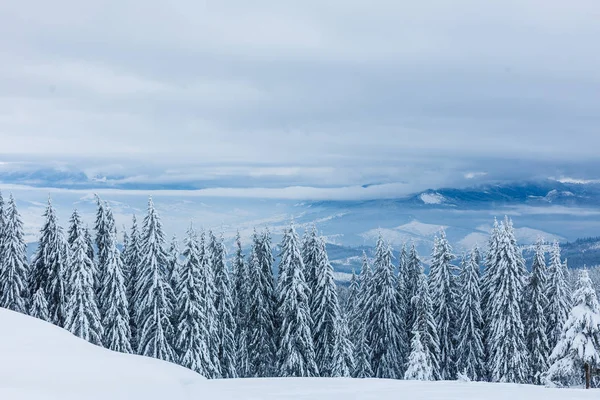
579, 342
260, 316
311, 259
419, 365
39, 306
154, 294
113, 301
173, 262
383, 324
470, 349
413, 273
558, 295
296, 355
225, 307
48, 267
425, 325
507, 354
329, 336
536, 304
82, 315
207, 292
13, 261
444, 293
193, 338
241, 295
343, 351
133, 258
103, 227
402, 296
353, 312
362, 356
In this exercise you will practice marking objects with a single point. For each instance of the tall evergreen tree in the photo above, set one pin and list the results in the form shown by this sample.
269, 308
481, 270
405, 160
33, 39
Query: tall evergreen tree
580, 337
353, 312
39, 306
241, 296
13, 261
296, 355
343, 351
425, 325
362, 356
508, 357
48, 267
133, 258
444, 293
413, 273
2, 222
536, 325
113, 301
383, 325
193, 338
103, 227
173, 262
154, 294
558, 295
419, 365
260, 317
403, 299
82, 315
311, 258
225, 307
329, 335
470, 349
207, 292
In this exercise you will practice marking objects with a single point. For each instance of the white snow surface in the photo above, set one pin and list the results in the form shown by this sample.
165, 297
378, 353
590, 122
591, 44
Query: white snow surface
41, 361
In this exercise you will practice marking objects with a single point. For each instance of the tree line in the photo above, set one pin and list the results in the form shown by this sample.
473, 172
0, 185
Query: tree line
505, 324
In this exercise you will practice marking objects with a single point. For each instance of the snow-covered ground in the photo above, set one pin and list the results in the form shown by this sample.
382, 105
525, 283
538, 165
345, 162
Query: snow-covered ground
39, 361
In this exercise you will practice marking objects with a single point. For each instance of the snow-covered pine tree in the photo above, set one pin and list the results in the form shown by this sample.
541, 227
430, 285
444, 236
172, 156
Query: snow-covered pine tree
154, 294
492, 258
207, 292
13, 264
444, 294
580, 338
133, 258
192, 341
48, 267
260, 317
402, 295
328, 333
425, 323
296, 355
558, 295
82, 315
536, 325
507, 354
241, 296
352, 307
362, 356
39, 306
418, 366
103, 227
383, 324
113, 301
470, 349
173, 262
90, 248
343, 350
310, 257
224, 305
413, 273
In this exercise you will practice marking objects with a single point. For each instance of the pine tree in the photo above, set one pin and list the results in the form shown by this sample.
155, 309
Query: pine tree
90, 249
103, 227
343, 351
536, 303
241, 278
362, 356
48, 267
224, 305
444, 293
328, 333
133, 259
13, 264
82, 315
296, 355
580, 338
154, 294
362, 351
383, 324
113, 301
425, 324
260, 317
207, 292
419, 366
355, 322
39, 306
402, 297
310, 257
470, 349
507, 353
173, 262
413, 273
558, 295
192, 328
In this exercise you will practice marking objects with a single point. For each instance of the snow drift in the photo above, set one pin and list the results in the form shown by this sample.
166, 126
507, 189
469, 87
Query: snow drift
41, 361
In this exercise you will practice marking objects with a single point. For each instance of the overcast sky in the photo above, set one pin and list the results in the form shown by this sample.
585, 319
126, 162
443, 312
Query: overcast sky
411, 94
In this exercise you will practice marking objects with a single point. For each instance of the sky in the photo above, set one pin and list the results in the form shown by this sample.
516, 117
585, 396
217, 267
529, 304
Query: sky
314, 99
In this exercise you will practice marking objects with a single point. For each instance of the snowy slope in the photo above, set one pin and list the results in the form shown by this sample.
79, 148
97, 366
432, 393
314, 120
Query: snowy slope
374, 389
41, 361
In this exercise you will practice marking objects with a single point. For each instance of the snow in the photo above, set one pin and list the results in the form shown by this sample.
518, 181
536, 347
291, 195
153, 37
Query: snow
379, 389
41, 361
432, 198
